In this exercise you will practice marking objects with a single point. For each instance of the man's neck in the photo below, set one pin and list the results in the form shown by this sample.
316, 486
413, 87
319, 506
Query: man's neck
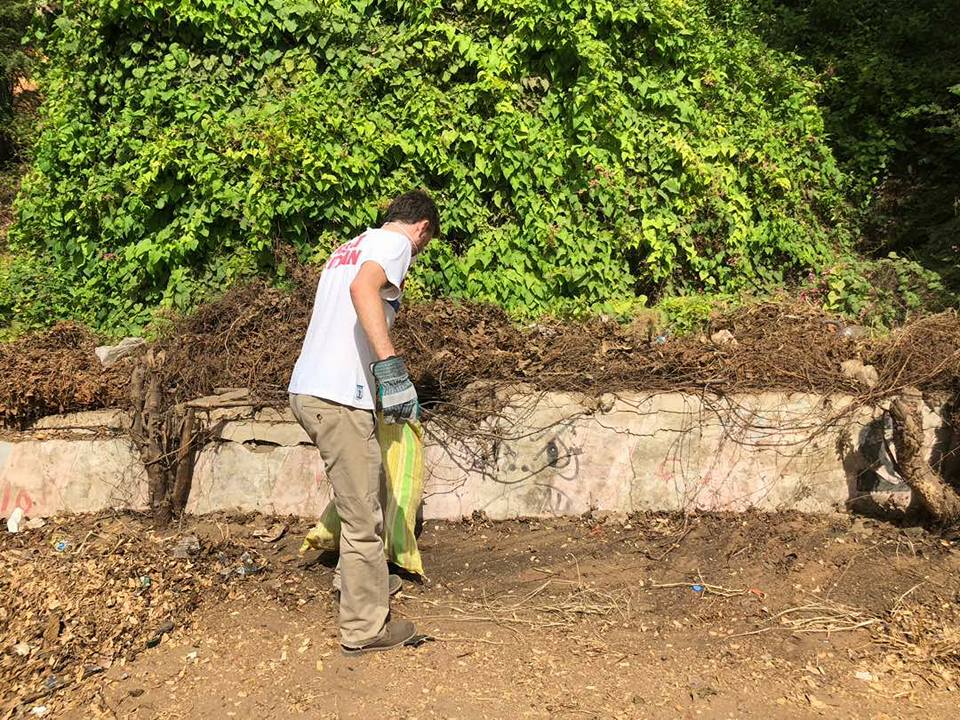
402, 229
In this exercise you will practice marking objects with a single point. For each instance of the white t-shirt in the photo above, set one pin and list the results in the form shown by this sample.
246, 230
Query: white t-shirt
334, 363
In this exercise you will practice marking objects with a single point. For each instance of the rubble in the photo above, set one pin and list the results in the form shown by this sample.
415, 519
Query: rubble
864, 375
110, 355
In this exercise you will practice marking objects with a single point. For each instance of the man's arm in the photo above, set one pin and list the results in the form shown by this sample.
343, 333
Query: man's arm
365, 294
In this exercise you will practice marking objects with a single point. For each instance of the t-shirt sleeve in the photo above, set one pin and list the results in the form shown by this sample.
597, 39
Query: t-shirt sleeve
392, 253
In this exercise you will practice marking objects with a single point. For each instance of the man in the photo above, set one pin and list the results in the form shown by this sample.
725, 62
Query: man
348, 368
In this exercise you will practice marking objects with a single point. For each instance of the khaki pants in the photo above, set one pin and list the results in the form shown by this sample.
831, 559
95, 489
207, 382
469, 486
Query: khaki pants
348, 445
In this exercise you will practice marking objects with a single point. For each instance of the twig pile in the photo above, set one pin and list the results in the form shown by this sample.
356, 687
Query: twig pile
924, 634
822, 617
251, 338
557, 610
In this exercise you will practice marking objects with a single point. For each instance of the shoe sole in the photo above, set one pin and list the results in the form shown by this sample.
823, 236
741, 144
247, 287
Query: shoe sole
353, 652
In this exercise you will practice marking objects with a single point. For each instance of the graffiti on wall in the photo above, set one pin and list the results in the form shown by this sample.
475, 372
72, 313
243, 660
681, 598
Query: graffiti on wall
12, 497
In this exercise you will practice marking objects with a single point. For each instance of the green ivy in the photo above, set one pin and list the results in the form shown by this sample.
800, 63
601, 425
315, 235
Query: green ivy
586, 154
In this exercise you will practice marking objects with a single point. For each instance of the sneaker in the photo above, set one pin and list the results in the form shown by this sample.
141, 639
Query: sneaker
396, 633
394, 585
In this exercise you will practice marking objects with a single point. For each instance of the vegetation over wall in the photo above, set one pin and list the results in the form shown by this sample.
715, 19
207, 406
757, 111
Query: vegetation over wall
587, 155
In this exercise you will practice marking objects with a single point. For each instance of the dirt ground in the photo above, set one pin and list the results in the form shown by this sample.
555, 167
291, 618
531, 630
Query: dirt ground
652, 616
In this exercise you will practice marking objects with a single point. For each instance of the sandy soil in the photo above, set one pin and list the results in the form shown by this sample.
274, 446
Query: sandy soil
569, 618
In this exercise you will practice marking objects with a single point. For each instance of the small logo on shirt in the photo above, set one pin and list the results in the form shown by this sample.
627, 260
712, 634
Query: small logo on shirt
359, 395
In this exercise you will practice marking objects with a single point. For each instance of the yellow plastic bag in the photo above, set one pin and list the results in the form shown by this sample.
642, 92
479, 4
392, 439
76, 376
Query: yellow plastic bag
401, 448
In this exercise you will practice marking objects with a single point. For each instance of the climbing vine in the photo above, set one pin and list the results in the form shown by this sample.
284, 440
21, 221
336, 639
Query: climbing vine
586, 154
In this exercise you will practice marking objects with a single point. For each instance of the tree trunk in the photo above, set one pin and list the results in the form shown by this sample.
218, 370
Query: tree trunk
185, 456
934, 493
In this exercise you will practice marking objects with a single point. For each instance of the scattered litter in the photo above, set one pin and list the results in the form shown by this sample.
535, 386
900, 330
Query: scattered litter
39, 710
697, 588
865, 676
62, 545
14, 521
247, 566
35, 523
145, 582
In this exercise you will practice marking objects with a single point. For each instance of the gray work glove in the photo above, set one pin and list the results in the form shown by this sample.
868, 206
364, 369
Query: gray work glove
396, 395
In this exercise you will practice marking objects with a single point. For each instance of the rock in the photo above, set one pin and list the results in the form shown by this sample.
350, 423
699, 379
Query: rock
187, 547
238, 396
164, 629
110, 355
277, 434
724, 337
605, 402
15, 520
22, 649
611, 517
865, 375
860, 527
853, 331
865, 676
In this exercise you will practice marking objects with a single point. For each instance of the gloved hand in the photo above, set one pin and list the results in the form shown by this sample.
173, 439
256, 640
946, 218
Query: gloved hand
396, 395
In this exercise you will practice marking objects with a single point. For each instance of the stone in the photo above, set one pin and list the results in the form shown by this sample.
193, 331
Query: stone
723, 337
110, 355
606, 402
86, 420
860, 527
22, 649
854, 332
186, 547
865, 375
246, 431
237, 396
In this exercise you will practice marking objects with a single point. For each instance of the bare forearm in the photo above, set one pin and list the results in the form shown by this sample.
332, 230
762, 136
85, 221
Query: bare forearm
373, 321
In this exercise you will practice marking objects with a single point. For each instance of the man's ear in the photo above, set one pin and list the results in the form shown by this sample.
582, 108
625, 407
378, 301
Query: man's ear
423, 227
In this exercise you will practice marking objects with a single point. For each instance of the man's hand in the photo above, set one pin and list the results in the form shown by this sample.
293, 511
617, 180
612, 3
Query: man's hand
396, 395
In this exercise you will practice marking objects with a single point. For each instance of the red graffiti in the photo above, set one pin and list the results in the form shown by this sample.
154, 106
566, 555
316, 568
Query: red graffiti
22, 500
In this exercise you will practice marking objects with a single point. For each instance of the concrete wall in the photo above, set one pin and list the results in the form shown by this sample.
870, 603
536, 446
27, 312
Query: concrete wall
543, 454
